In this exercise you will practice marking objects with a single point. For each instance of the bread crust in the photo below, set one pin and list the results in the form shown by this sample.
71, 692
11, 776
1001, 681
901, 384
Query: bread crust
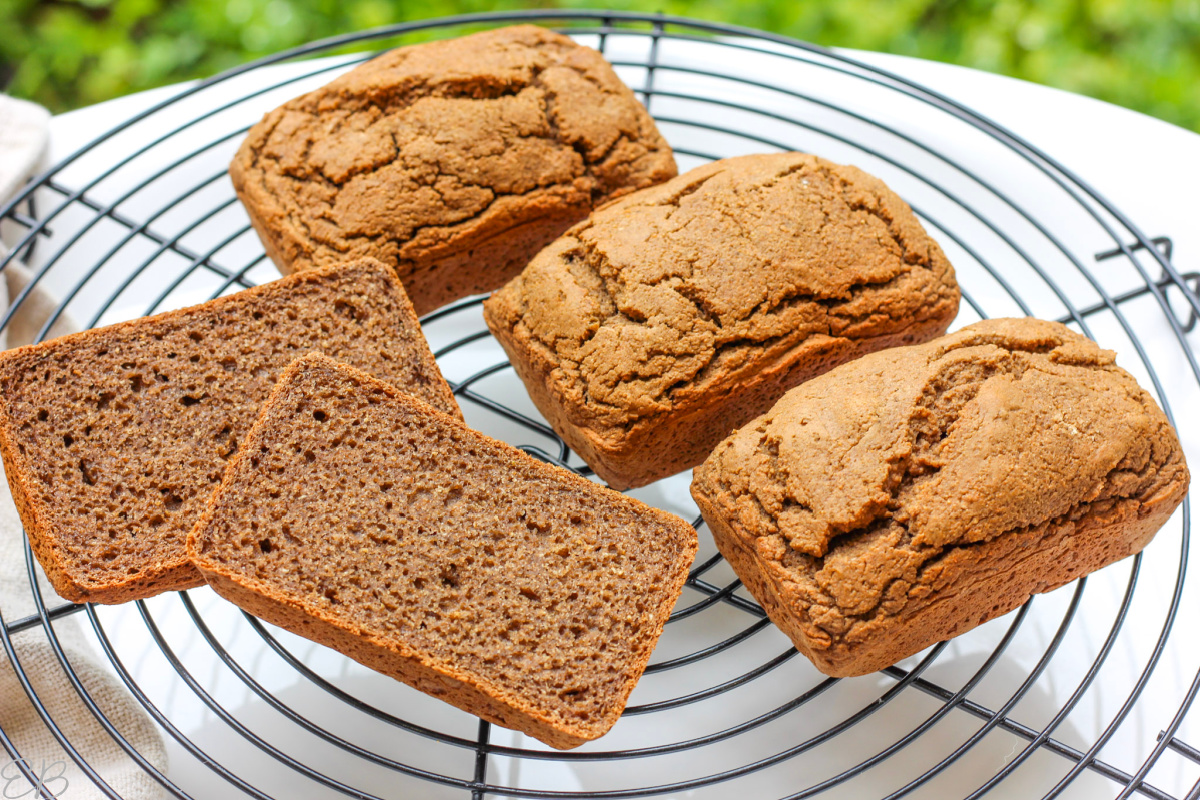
469, 689
66, 541
648, 332
453, 161
998, 462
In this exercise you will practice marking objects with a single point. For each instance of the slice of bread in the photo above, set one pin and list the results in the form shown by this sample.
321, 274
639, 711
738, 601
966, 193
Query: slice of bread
113, 439
367, 521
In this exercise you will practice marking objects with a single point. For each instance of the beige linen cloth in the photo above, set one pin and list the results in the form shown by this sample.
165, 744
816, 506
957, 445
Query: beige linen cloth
23, 136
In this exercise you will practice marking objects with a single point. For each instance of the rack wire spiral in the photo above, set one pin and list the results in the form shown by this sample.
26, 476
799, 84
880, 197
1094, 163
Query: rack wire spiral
1037, 703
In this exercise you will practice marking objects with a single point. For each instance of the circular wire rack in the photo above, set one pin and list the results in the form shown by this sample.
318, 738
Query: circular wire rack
1084, 692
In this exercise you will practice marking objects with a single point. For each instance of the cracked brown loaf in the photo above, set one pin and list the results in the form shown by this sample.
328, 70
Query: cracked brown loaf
114, 438
675, 315
453, 161
911, 495
513, 589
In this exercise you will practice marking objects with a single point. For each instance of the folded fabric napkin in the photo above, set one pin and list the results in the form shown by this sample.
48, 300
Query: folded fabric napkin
23, 137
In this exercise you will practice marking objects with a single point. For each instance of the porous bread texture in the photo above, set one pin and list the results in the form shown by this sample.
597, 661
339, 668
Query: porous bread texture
911, 495
453, 161
114, 438
671, 317
518, 591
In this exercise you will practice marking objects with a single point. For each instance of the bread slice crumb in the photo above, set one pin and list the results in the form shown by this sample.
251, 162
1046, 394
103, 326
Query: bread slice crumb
365, 520
114, 438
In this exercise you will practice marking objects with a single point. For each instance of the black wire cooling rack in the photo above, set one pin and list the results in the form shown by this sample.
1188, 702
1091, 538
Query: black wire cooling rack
1081, 693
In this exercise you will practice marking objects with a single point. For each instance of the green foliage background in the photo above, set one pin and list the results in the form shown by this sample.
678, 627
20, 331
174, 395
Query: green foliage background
1143, 54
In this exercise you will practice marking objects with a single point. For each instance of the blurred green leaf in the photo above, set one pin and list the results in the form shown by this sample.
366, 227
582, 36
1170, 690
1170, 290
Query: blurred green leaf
1144, 54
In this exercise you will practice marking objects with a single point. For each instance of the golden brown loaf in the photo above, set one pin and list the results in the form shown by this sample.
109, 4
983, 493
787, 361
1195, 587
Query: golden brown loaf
518, 591
114, 438
453, 161
673, 316
911, 495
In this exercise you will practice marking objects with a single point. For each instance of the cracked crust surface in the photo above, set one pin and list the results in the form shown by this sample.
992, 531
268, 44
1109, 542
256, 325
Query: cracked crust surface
671, 317
453, 161
114, 438
913, 494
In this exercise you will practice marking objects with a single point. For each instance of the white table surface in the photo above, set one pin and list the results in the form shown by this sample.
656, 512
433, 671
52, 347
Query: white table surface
1147, 167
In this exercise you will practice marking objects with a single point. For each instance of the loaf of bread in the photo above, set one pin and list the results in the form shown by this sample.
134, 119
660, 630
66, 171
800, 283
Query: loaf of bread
675, 315
367, 521
453, 161
113, 439
911, 495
